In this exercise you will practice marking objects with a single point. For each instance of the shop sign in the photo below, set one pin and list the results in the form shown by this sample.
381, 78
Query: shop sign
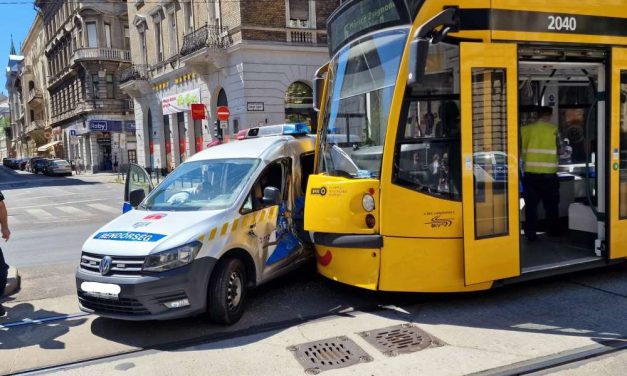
180, 102
104, 139
255, 106
198, 111
105, 126
130, 126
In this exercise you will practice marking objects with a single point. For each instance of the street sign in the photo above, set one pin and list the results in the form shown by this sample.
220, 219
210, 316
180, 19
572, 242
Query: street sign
223, 113
73, 132
224, 124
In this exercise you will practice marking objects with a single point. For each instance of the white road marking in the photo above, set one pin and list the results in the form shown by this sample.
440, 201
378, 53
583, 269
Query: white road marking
72, 210
105, 208
63, 203
39, 213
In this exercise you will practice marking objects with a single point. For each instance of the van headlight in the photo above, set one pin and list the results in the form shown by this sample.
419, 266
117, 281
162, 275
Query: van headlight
172, 258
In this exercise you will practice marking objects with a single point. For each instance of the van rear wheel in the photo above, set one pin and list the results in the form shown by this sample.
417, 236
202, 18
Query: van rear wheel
227, 292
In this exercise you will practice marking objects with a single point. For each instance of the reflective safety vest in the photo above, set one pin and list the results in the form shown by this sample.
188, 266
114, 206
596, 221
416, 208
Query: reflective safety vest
539, 148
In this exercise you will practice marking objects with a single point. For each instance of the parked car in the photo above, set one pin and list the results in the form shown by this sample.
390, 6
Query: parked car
30, 162
39, 166
58, 167
22, 164
6, 162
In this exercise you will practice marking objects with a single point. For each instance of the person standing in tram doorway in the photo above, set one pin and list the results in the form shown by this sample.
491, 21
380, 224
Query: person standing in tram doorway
540, 182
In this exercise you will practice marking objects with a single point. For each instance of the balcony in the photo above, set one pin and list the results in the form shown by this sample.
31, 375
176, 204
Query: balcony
301, 36
102, 54
204, 49
34, 95
35, 125
134, 80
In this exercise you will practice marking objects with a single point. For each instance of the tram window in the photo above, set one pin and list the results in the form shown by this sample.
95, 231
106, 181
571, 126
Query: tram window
428, 145
623, 145
489, 146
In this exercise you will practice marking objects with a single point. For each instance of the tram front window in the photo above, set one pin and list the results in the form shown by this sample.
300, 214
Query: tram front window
361, 85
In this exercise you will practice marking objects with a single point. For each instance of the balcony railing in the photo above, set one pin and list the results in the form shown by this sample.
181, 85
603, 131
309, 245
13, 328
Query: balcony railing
212, 37
102, 54
34, 94
300, 36
135, 72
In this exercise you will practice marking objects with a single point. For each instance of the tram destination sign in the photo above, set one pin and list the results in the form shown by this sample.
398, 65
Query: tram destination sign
360, 17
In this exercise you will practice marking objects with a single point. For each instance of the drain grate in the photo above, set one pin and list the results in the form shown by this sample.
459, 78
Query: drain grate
328, 354
399, 339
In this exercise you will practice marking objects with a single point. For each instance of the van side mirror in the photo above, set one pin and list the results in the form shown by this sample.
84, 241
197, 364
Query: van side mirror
318, 88
136, 197
271, 196
418, 53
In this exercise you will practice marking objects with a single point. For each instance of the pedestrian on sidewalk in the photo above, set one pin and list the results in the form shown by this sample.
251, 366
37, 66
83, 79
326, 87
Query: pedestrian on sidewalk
4, 268
78, 165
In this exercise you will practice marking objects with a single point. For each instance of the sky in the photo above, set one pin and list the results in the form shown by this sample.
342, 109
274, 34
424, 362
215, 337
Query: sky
14, 19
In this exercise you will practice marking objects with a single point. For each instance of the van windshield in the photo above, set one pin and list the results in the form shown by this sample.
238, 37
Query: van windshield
211, 184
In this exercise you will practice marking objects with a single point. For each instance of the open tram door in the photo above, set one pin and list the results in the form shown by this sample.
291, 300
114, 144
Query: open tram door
618, 172
490, 190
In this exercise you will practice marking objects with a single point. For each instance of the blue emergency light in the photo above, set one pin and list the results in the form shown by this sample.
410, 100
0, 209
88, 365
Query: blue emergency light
290, 129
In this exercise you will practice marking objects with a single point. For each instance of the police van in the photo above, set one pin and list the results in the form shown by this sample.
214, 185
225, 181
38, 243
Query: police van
227, 219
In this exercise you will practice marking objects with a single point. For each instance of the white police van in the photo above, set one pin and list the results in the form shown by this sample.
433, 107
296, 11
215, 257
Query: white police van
227, 219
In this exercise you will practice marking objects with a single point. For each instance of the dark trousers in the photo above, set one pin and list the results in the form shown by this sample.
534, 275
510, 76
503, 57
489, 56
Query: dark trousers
4, 271
545, 188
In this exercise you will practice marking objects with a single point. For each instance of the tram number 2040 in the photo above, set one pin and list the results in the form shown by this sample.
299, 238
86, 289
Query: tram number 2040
559, 23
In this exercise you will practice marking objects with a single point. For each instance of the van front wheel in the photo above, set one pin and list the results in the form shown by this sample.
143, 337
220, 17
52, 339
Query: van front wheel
227, 292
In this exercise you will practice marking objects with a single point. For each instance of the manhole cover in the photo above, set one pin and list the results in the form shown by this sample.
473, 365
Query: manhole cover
328, 354
399, 339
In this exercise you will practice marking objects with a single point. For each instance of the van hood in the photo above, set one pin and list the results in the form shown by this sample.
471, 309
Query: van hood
140, 232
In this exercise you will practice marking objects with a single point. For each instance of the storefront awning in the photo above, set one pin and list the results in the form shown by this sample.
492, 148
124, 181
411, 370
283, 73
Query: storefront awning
48, 146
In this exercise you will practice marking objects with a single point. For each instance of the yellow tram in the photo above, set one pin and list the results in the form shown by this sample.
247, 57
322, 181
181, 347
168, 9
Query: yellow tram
417, 184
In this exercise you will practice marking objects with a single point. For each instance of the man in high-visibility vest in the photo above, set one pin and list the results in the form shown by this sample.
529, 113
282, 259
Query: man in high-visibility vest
540, 144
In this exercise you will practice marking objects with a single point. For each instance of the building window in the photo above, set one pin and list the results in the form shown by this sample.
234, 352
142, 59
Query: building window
92, 35
127, 38
158, 41
108, 35
173, 34
188, 13
95, 84
299, 12
142, 47
110, 92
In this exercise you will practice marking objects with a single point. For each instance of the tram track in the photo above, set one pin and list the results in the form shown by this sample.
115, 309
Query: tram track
176, 344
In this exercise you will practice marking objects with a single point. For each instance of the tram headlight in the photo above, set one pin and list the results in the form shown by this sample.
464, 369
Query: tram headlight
368, 203
370, 221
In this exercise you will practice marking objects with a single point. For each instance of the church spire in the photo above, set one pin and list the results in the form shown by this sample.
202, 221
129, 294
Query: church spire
12, 46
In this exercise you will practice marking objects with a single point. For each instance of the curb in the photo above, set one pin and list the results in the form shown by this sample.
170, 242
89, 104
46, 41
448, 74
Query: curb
13, 281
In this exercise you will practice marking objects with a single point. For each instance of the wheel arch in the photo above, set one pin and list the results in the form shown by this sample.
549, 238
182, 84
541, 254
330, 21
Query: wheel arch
247, 259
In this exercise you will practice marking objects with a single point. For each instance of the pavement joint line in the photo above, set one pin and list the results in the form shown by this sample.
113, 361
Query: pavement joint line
597, 288
43, 320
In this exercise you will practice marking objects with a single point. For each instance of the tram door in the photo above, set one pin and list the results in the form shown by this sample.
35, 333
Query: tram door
489, 97
618, 158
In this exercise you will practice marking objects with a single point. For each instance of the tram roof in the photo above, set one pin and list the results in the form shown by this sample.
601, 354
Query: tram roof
587, 22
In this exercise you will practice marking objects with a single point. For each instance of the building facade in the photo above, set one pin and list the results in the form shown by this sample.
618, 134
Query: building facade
255, 57
36, 131
17, 144
87, 46
5, 126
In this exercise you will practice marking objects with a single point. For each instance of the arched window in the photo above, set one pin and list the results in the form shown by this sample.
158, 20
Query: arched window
222, 99
299, 104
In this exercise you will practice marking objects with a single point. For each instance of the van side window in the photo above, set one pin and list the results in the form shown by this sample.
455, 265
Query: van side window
427, 154
274, 175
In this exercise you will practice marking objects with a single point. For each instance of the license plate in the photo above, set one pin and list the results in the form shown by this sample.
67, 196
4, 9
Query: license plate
101, 290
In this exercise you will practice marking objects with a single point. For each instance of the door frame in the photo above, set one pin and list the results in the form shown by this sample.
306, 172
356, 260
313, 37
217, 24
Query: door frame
494, 257
617, 226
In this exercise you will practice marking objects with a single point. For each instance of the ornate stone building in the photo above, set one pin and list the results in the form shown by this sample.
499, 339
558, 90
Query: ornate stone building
87, 46
256, 57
